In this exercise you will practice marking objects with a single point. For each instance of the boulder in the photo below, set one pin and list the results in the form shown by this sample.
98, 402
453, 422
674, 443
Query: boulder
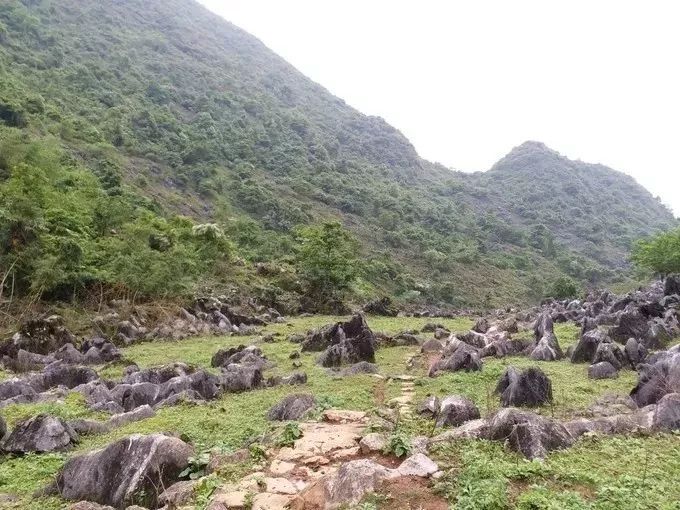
373, 442
42, 433
238, 378
351, 342
481, 325
293, 407
363, 367
611, 353
671, 285
547, 348
429, 407
528, 433
631, 323
3, 429
432, 345
657, 378
602, 370
351, 481
179, 494
127, 471
418, 464
529, 388
635, 352
464, 357
667, 413
230, 355
477, 340
585, 349
69, 354
382, 306
69, 376
455, 410
40, 336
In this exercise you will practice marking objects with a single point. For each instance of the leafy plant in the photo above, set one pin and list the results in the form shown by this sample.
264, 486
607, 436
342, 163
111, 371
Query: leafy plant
257, 452
290, 433
197, 466
399, 444
204, 490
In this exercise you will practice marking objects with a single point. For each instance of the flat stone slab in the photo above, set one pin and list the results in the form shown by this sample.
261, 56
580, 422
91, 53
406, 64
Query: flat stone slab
342, 416
323, 438
267, 501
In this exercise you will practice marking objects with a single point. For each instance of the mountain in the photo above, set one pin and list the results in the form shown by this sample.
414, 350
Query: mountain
176, 111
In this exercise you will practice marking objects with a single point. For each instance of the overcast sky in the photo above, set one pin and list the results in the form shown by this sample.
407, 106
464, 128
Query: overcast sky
467, 81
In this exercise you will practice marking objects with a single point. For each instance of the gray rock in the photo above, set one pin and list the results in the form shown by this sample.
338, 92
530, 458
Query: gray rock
464, 357
547, 347
363, 367
667, 413
529, 388
671, 285
293, 407
352, 480
130, 470
373, 442
585, 349
602, 370
455, 410
528, 433
350, 342
432, 345
635, 352
610, 352
418, 465
179, 494
42, 433
429, 407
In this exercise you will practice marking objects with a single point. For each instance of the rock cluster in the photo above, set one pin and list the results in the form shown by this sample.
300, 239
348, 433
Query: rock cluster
343, 343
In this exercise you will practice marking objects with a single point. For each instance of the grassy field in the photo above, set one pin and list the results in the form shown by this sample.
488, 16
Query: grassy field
595, 473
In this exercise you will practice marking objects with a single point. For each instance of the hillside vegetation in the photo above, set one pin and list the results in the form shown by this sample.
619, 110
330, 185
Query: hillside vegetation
151, 147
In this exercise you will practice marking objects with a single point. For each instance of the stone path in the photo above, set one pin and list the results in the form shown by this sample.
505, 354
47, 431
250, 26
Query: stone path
404, 403
322, 448
332, 465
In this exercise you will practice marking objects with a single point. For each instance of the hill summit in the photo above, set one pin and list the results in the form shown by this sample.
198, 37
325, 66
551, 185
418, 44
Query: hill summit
174, 111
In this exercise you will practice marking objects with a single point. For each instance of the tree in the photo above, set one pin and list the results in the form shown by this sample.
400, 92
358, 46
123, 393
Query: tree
326, 260
565, 288
660, 253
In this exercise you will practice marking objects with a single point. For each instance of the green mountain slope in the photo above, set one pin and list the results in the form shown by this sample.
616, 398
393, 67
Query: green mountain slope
199, 118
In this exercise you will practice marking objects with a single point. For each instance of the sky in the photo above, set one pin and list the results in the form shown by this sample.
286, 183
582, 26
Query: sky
466, 81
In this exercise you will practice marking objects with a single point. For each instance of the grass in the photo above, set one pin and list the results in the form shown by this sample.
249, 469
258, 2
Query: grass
233, 419
599, 473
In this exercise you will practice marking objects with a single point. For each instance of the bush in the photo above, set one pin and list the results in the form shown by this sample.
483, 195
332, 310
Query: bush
660, 254
564, 288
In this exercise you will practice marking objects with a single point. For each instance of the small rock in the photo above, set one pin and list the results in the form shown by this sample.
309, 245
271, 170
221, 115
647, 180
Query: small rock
267, 501
342, 416
280, 486
281, 467
374, 442
418, 465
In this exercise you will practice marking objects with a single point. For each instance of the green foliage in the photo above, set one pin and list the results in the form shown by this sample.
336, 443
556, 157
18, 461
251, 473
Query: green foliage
62, 232
327, 262
290, 433
660, 254
564, 288
197, 466
204, 490
399, 444
194, 116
